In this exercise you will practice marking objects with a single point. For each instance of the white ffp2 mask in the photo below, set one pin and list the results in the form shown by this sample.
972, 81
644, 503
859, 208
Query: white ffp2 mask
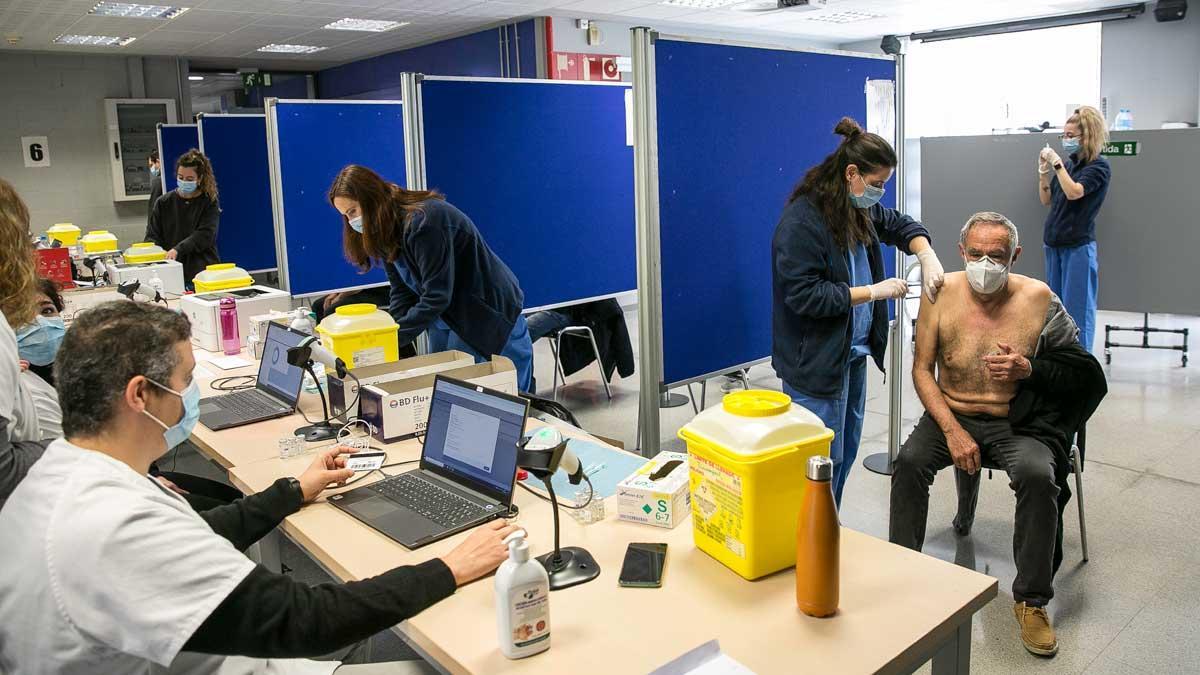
986, 276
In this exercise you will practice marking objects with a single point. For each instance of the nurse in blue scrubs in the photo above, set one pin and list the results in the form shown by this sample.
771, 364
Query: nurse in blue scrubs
444, 279
1075, 190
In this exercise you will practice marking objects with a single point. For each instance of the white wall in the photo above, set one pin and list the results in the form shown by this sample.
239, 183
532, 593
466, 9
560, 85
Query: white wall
1152, 68
62, 97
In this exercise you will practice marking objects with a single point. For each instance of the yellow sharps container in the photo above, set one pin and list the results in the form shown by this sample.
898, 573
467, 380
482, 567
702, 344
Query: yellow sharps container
746, 458
361, 335
222, 277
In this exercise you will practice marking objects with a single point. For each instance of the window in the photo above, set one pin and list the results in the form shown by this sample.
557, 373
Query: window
998, 83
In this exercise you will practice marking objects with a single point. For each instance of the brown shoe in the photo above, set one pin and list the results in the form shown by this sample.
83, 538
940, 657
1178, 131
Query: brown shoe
1036, 631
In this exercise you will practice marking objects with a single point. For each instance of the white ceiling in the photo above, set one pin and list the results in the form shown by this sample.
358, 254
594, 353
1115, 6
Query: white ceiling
227, 32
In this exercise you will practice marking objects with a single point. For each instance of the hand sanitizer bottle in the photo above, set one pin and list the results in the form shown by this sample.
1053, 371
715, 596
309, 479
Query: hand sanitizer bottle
522, 601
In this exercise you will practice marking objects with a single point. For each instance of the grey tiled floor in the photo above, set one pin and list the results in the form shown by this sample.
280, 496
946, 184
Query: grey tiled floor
1134, 608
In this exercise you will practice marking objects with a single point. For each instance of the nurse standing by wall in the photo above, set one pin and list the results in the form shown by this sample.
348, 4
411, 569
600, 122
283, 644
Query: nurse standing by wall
827, 276
1075, 190
444, 278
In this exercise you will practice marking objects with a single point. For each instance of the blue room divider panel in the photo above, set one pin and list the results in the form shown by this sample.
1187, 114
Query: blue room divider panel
237, 147
737, 129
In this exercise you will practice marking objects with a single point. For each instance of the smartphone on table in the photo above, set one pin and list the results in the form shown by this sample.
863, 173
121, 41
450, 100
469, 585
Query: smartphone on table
644, 565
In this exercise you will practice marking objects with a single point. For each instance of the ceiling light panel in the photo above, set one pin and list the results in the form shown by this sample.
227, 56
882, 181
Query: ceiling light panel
844, 16
92, 40
290, 49
133, 11
365, 25
701, 4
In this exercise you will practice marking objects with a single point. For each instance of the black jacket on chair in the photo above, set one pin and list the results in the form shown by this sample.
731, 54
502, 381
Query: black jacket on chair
607, 321
1053, 404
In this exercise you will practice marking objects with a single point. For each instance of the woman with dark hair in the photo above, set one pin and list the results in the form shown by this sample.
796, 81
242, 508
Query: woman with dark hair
38, 342
184, 221
827, 275
444, 278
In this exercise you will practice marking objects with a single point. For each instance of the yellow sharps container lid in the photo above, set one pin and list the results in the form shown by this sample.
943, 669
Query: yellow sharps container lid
756, 403
359, 309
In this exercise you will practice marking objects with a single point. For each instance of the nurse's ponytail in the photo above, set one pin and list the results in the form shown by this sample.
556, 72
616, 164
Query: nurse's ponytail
826, 187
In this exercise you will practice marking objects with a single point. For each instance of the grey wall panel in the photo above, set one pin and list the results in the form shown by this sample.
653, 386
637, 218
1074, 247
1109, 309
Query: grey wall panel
1147, 232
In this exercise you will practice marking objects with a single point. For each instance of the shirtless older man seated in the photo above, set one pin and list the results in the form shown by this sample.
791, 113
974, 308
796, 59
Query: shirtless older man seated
981, 334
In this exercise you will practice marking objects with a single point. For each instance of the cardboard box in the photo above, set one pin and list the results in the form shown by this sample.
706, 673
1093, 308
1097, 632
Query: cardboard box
257, 339
664, 502
400, 409
342, 392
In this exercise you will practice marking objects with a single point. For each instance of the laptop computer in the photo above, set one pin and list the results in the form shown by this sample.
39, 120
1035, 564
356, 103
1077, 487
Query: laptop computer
467, 473
274, 394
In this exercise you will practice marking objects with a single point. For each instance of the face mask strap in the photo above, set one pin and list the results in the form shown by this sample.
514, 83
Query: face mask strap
165, 388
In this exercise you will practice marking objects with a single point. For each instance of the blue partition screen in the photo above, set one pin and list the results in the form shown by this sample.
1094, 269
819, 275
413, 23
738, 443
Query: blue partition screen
737, 128
173, 141
315, 141
546, 174
237, 147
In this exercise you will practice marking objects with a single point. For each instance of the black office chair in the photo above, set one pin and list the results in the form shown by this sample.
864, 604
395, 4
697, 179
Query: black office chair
968, 492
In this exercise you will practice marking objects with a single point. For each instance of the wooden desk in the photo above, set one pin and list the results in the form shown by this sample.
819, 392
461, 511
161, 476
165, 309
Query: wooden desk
252, 442
899, 608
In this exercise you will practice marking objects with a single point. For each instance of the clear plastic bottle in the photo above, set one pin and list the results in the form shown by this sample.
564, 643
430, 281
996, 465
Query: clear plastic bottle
1123, 121
156, 283
231, 342
818, 540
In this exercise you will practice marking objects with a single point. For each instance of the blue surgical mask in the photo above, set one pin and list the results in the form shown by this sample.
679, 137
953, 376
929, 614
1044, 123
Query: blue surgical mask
181, 430
186, 187
38, 342
154, 171
870, 196
356, 224
1070, 145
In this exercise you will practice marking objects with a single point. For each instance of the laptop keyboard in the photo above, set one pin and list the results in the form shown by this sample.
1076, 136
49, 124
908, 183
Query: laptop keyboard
248, 402
430, 500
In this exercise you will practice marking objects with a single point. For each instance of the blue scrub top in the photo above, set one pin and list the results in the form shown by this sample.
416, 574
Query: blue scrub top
1073, 223
860, 275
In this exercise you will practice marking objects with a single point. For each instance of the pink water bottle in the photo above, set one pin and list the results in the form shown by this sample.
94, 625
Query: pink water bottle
230, 339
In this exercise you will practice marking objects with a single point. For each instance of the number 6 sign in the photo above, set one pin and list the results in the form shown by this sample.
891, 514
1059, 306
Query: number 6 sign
36, 150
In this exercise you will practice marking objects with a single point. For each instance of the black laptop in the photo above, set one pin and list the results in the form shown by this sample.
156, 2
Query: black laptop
274, 394
467, 474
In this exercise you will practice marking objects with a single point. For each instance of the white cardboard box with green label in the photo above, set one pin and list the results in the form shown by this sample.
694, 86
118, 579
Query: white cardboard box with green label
656, 494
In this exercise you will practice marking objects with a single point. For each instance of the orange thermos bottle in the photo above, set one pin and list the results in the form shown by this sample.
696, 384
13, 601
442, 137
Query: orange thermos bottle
817, 542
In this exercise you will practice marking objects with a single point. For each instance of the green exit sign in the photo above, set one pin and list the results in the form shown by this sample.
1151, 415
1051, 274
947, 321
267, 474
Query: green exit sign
250, 80
1122, 148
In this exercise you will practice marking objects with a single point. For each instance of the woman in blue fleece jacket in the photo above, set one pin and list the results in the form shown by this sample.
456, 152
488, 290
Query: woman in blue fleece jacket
827, 271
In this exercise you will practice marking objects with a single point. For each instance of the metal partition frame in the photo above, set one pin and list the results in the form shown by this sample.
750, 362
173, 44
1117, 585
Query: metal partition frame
649, 261
277, 186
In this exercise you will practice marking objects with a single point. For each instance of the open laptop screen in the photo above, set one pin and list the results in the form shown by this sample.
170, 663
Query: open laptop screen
472, 436
275, 375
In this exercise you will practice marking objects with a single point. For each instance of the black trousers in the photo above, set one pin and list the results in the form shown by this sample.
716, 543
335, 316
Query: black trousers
1031, 469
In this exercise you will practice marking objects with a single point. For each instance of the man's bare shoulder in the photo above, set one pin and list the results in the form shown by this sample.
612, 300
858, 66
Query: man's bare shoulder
1029, 288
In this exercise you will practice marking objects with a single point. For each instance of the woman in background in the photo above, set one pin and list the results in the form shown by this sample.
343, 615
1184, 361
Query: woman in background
444, 279
1075, 190
184, 221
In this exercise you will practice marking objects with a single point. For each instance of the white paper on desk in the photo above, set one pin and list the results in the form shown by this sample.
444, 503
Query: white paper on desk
230, 362
202, 373
707, 659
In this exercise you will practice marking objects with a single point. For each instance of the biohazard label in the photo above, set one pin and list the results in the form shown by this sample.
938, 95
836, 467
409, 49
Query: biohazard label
717, 503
